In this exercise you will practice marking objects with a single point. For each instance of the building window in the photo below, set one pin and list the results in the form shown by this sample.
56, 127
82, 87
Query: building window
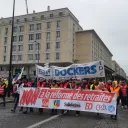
47, 56
51, 15
31, 36
57, 56
19, 57
33, 18
25, 19
6, 31
21, 28
48, 35
38, 36
4, 58
39, 26
5, 49
37, 56
13, 57
31, 27
58, 34
14, 48
73, 27
30, 47
30, 57
60, 13
14, 38
21, 38
57, 45
36, 46
20, 47
48, 25
47, 46
5, 40
58, 24
42, 17
15, 29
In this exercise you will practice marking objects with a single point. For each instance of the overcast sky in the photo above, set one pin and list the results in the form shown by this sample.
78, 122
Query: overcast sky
108, 17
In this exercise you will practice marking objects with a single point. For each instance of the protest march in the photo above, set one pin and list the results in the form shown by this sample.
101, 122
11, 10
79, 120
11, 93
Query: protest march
64, 89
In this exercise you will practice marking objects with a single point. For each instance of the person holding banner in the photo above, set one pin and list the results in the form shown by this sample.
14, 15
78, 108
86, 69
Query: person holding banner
54, 85
41, 84
101, 87
78, 85
69, 84
17, 95
31, 83
115, 88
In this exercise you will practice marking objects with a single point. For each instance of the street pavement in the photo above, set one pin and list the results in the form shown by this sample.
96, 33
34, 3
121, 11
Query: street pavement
85, 120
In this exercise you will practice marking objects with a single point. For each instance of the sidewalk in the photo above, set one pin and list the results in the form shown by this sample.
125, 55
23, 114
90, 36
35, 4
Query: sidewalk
8, 100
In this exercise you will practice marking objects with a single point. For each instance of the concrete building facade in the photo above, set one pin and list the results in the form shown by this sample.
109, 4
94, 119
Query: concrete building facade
54, 30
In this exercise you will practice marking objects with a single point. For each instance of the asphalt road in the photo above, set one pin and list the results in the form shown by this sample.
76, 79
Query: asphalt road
85, 120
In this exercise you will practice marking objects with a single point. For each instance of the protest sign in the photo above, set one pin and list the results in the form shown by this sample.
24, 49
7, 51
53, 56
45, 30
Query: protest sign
80, 100
86, 70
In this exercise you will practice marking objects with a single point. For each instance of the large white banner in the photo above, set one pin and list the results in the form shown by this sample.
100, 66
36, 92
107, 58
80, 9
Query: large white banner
43, 72
86, 70
81, 100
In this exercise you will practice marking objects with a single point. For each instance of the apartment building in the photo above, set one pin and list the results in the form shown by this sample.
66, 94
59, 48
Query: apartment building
89, 47
118, 71
54, 32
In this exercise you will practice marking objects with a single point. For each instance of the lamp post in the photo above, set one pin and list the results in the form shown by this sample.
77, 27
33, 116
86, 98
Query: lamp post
10, 63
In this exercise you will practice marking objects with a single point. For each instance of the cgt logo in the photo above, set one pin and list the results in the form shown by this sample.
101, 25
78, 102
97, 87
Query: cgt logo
101, 107
88, 106
45, 103
57, 103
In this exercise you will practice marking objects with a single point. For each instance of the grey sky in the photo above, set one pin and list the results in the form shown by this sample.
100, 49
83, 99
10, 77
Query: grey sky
108, 17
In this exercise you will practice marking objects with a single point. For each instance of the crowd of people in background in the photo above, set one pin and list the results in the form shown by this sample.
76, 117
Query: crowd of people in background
120, 88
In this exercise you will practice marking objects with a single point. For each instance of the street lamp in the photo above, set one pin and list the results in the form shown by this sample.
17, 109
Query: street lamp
38, 51
10, 63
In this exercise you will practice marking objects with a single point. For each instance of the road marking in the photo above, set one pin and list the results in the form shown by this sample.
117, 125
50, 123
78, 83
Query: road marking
44, 121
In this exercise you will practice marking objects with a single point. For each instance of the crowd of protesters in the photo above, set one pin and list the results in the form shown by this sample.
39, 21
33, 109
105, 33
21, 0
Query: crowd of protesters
120, 88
